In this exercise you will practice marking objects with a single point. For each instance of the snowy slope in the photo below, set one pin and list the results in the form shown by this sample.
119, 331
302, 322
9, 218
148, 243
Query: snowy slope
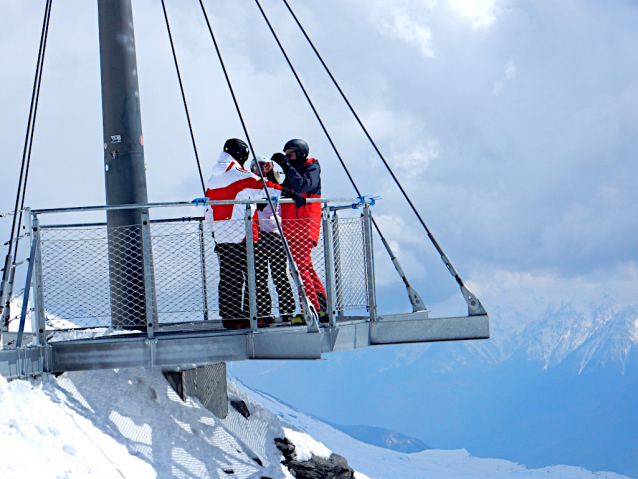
380, 463
130, 423
42, 437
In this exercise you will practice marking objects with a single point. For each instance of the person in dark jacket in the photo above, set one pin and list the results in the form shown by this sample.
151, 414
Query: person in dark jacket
301, 226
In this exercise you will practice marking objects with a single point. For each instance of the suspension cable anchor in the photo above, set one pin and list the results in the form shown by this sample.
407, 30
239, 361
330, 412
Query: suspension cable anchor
197, 201
363, 201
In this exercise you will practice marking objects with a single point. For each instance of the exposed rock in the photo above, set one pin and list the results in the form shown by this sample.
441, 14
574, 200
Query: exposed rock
286, 447
241, 408
335, 467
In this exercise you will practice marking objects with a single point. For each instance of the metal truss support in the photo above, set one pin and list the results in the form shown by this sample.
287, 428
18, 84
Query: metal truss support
329, 262
250, 261
149, 277
202, 255
38, 324
336, 252
367, 232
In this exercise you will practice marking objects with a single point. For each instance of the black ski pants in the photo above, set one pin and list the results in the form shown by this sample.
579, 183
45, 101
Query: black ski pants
233, 282
270, 255
233, 275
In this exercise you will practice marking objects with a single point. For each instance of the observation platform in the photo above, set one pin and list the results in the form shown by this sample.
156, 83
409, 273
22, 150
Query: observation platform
99, 296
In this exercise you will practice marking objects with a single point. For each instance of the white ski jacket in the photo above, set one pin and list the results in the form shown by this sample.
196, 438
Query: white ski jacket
230, 181
267, 221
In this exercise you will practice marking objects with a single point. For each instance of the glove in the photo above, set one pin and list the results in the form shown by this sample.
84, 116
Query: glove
281, 160
299, 200
261, 206
197, 201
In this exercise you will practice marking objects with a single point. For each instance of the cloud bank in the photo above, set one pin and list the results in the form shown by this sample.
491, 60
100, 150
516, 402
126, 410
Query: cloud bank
512, 124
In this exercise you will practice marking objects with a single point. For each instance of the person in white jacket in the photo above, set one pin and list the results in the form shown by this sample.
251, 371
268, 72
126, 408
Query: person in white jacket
269, 252
230, 181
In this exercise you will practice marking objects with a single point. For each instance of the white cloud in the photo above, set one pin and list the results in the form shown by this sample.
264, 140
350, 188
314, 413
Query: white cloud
406, 20
510, 74
531, 292
406, 28
510, 70
414, 158
482, 13
540, 179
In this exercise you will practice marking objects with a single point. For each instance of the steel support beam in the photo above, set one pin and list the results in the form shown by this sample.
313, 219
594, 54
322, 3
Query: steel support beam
149, 277
38, 323
250, 268
396, 331
168, 352
179, 350
328, 254
125, 175
202, 255
371, 286
24, 362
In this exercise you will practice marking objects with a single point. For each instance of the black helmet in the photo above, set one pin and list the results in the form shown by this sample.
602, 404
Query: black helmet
301, 148
238, 149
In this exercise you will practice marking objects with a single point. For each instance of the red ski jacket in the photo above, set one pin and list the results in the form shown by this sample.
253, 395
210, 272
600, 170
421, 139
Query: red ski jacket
305, 222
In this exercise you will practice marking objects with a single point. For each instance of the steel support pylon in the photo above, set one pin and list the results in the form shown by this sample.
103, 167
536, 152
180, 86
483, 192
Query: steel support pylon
125, 175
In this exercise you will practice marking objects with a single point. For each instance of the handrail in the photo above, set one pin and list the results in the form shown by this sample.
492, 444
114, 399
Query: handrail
183, 219
189, 203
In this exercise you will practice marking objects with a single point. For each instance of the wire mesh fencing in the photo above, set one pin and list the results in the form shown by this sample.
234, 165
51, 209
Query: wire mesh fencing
93, 276
350, 267
75, 280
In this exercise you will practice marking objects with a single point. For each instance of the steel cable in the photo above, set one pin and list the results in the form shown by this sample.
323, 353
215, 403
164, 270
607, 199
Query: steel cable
323, 127
398, 183
31, 120
9, 272
293, 267
181, 87
35, 112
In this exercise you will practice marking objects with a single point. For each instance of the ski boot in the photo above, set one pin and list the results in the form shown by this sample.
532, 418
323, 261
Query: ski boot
236, 323
301, 318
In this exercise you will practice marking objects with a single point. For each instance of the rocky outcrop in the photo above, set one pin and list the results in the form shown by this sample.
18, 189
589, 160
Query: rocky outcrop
241, 408
334, 467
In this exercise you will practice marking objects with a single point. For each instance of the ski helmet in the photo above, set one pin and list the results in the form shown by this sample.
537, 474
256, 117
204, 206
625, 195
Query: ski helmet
238, 149
300, 147
276, 169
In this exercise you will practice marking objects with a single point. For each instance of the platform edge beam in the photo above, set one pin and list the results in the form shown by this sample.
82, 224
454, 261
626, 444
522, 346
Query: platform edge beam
428, 330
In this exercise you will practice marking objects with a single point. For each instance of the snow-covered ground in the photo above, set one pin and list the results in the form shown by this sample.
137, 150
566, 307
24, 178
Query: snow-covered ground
130, 423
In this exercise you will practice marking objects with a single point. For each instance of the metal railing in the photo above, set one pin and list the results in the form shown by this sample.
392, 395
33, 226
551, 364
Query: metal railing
165, 272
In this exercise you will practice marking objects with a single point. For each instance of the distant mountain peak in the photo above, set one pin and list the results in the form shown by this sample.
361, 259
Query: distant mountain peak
602, 333
385, 438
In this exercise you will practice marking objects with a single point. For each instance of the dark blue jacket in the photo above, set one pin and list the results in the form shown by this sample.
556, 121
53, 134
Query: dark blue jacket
304, 178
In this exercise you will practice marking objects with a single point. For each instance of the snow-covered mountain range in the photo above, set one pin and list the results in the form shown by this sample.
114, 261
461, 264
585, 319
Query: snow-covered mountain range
596, 333
557, 385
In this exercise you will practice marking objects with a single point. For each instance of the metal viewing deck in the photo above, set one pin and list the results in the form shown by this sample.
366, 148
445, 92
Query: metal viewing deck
82, 311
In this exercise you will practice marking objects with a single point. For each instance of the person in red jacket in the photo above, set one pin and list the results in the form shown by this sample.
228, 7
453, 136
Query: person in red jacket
301, 226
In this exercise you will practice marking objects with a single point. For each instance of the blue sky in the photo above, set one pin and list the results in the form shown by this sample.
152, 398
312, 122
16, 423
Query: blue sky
512, 124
